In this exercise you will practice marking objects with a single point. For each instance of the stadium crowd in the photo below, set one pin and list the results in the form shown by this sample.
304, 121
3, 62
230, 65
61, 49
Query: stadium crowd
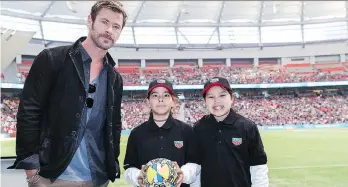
194, 75
185, 75
273, 111
9, 108
254, 76
281, 111
155, 74
130, 79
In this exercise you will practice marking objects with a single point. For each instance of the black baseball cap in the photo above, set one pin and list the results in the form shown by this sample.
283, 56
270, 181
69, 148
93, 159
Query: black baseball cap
160, 83
216, 81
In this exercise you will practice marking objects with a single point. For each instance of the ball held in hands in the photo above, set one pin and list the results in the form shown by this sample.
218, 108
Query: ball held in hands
160, 172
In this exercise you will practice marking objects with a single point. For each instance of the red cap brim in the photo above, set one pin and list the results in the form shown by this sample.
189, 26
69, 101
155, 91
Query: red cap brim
171, 91
214, 84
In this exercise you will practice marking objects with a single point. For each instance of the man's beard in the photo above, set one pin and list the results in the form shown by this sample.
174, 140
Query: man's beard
95, 36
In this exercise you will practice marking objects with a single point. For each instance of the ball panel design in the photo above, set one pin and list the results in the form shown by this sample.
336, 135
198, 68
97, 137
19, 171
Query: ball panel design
160, 172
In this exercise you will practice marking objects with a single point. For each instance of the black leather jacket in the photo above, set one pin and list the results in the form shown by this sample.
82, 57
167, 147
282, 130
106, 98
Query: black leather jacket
50, 109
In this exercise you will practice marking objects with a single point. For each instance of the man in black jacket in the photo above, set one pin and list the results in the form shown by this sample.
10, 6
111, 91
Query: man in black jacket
69, 116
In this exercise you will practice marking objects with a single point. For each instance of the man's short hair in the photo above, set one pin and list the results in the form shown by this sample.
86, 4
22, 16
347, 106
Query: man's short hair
111, 5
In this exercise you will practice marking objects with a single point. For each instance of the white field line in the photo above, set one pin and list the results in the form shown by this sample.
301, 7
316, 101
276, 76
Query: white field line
305, 167
339, 131
326, 131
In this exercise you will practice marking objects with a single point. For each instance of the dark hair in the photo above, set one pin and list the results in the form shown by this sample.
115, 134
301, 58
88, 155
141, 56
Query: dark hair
111, 5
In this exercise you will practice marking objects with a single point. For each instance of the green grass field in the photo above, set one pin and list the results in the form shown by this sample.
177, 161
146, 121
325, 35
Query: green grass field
297, 158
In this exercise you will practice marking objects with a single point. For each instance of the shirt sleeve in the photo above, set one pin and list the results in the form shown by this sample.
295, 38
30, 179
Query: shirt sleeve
259, 176
256, 149
29, 163
191, 172
35, 93
131, 175
197, 182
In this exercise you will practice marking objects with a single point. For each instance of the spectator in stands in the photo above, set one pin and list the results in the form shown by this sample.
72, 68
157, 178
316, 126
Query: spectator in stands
194, 75
185, 75
248, 76
9, 107
63, 86
141, 146
237, 137
271, 111
156, 74
275, 110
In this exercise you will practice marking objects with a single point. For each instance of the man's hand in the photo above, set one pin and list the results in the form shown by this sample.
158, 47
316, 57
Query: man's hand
180, 175
30, 173
141, 176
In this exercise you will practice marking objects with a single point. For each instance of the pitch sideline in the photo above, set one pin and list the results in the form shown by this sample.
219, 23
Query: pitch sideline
305, 167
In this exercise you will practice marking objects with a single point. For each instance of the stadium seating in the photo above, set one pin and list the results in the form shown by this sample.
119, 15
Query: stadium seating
9, 108
238, 73
304, 110
274, 111
187, 75
130, 75
156, 72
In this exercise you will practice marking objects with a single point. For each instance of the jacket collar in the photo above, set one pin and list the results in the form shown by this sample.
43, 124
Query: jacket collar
75, 49
74, 52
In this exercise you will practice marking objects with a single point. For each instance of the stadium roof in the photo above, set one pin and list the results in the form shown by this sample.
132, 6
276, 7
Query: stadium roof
189, 23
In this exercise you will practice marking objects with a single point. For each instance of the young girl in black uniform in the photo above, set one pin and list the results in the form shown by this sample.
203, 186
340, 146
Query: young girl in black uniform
230, 149
162, 136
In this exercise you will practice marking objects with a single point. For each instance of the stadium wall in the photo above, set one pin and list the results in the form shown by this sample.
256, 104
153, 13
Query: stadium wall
261, 128
310, 50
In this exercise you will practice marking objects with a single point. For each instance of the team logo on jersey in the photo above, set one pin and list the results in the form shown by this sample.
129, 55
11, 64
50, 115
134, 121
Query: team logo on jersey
237, 141
178, 144
214, 80
161, 81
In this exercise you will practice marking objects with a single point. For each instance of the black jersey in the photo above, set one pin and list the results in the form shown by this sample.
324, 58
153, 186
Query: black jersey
173, 141
227, 149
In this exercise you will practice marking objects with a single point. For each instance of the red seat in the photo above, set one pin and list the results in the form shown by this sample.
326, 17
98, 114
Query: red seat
128, 70
332, 69
297, 65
